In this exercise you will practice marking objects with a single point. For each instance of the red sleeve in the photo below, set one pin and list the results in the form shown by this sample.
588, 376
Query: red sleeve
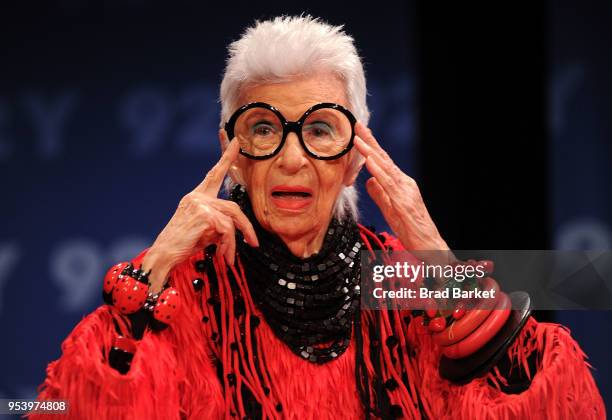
171, 376
561, 384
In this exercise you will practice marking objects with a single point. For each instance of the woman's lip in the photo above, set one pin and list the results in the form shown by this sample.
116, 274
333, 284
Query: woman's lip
291, 188
294, 202
291, 203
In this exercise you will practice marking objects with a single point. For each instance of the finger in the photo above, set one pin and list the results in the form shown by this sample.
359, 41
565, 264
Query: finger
381, 175
385, 163
227, 242
366, 135
219, 231
230, 255
378, 194
363, 147
369, 152
214, 178
243, 224
221, 250
382, 158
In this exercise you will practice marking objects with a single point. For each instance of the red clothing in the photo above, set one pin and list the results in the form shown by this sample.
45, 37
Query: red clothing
173, 374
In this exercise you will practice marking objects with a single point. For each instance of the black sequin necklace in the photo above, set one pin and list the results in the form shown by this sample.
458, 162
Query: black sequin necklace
309, 303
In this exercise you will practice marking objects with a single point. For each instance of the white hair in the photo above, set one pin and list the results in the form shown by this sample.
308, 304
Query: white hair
286, 47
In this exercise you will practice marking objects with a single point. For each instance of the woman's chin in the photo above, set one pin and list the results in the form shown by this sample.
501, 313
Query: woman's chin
293, 223
288, 213
292, 226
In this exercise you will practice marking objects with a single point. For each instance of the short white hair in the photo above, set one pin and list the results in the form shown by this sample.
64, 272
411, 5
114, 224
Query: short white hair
278, 50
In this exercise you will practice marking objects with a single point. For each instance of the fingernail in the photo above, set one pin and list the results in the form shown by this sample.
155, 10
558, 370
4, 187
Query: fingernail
251, 243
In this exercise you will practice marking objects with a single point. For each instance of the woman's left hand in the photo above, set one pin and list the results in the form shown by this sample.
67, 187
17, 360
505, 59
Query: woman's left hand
398, 196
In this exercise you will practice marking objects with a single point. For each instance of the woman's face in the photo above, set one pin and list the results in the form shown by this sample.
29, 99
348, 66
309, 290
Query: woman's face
293, 194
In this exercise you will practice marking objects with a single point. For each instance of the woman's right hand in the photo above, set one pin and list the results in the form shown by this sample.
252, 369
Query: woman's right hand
201, 219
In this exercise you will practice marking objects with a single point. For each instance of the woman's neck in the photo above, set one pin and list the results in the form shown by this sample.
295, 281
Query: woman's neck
304, 246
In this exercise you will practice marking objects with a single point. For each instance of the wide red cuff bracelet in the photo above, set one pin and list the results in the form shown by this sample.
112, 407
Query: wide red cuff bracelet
127, 289
474, 340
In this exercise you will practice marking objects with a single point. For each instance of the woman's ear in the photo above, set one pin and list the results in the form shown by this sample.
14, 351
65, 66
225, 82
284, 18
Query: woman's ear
356, 162
235, 172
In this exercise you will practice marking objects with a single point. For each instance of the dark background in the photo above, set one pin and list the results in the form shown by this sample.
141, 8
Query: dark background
108, 116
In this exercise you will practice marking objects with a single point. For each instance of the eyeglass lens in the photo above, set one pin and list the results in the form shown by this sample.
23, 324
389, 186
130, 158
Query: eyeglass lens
326, 132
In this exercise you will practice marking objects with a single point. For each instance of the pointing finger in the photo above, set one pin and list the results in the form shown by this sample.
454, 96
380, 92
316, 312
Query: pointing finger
240, 220
214, 178
368, 138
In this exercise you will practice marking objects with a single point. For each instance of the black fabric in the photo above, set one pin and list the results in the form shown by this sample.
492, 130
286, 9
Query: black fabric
309, 303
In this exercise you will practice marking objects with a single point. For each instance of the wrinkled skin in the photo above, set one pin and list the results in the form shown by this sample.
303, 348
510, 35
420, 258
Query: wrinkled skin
202, 218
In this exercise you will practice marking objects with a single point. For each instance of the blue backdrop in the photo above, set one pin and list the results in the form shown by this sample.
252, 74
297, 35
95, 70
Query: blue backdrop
107, 118
581, 155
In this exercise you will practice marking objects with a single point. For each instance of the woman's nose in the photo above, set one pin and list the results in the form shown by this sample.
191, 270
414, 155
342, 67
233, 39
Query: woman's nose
292, 156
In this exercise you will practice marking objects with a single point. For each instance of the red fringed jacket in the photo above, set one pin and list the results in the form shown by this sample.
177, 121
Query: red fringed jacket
173, 374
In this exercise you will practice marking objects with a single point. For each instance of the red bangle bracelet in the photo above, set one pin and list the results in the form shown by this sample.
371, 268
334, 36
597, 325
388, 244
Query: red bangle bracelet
488, 283
126, 288
483, 334
469, 322
121, 354
128, 345
110, 279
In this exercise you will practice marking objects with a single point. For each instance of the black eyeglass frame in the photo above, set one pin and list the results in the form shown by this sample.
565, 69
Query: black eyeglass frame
292, 127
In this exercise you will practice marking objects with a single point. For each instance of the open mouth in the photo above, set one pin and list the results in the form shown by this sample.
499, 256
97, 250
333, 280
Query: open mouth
291, 194
291, 197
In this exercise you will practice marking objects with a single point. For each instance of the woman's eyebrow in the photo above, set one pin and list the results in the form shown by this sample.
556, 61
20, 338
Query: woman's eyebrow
328, 116
258, 113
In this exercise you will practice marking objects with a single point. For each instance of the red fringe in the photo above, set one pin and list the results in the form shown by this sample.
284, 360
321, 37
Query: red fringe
159, 385
561, 388
173, 377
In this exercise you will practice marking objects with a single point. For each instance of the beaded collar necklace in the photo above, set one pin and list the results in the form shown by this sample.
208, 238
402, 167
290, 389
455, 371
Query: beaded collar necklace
309, 303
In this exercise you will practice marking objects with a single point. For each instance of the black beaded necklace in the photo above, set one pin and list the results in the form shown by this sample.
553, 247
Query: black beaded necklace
309, 303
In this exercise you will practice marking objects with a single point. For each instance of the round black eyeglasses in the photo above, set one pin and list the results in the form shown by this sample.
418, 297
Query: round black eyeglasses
326, 131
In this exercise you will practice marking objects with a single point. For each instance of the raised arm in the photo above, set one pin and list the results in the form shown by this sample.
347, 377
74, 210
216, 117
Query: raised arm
171, 373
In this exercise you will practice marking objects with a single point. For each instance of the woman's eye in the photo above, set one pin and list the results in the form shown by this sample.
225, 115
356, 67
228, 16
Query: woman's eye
318, 130
263, 129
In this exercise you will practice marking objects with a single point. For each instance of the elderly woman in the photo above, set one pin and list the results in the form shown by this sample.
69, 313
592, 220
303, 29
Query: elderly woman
250, 307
